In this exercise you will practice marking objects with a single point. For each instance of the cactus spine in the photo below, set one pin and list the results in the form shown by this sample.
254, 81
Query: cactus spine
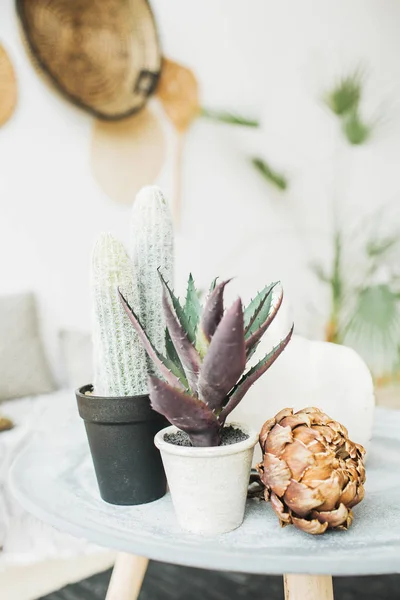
119, 360
152, 249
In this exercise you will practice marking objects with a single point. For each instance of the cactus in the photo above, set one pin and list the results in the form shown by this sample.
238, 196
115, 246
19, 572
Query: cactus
119, 359
151, 249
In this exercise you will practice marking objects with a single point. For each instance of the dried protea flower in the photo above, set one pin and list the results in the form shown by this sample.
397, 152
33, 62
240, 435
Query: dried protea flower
313, 474
5, 424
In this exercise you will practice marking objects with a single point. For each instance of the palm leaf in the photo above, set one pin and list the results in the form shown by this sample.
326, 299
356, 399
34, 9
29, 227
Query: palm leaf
373, 327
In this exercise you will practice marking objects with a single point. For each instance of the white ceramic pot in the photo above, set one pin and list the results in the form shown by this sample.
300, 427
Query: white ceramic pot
208, 486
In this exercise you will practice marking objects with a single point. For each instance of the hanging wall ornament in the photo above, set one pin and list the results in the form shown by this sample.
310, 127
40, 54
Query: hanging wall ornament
128, 154
104, 56
179, 95
8, 87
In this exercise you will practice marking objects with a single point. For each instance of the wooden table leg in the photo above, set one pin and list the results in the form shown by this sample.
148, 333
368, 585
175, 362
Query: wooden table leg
127, 577
308, 587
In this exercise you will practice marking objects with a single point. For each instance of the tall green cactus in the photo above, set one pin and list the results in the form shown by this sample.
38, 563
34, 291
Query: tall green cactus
119, 360
152, 249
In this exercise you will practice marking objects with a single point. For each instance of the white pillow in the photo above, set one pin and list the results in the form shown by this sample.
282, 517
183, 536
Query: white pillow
24, 370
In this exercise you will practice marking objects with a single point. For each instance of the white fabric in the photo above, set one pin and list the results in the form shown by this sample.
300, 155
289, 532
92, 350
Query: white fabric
24, 539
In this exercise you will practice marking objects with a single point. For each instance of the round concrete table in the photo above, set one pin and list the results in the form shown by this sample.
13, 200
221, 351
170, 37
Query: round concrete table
54, 480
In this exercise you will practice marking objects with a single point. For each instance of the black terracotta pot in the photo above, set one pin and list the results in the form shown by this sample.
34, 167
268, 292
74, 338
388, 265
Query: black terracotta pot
121, 434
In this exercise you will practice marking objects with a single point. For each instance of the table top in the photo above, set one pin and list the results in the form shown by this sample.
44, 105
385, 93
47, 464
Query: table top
54, 480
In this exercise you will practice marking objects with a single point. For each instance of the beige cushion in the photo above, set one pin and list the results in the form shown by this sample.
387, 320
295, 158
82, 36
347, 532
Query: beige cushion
76, 352
24, 370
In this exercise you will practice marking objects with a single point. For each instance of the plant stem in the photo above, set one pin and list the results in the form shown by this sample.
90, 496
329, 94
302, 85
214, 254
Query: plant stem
277, 179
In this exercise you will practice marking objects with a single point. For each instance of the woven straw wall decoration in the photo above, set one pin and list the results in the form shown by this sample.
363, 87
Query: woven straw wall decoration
8, 87
103, 55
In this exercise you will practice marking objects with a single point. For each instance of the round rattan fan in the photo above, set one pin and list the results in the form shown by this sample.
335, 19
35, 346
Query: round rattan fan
104, 55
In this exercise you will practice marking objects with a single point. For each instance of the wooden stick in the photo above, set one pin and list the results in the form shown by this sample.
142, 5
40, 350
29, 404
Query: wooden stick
127, 577
308, 587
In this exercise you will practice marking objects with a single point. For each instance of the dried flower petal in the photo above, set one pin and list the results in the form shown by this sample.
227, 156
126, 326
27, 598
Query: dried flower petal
301, 499
266, 428
298, 458
277, 439
295, 420
279, 509
276, 474
358, 497
314, 526
285, 412
349, 493
330, 490
334, 518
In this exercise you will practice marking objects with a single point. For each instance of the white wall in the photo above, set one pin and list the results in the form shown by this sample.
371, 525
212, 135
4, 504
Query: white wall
263, 58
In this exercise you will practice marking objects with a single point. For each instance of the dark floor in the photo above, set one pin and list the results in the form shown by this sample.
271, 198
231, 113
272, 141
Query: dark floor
165, 582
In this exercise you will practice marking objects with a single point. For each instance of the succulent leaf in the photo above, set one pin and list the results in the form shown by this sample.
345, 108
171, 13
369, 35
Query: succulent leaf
180, 312
243, 386
202, 343
192, 304
187, 353
225, 359
212, 285
253, 340
212, 314
185, 412
166, 367
171, 352
259, 309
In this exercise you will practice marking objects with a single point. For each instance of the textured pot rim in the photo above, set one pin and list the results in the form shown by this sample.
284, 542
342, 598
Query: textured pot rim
208, 451
111, 410
80, 391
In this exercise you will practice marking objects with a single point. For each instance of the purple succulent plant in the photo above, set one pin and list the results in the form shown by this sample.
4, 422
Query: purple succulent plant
203, 375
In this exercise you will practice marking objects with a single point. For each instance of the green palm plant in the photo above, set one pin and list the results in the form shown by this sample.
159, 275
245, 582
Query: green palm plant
345, 95
365, 296
203, 372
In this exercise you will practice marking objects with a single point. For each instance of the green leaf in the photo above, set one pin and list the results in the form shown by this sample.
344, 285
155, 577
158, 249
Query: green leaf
192, 305
171, 352
202, 343
277, 179
180, 312
258, 308
378, 248
320, 272
356, 130
346, 94
212, 285
229, 118
373, 327
247, 380
167, 368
